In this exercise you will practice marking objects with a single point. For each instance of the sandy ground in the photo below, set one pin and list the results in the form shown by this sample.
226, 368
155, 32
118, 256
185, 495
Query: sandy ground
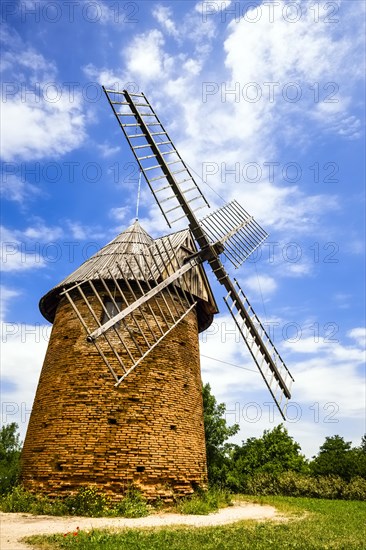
16, 526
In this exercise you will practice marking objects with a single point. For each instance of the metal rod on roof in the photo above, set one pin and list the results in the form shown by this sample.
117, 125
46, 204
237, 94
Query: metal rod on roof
138, 196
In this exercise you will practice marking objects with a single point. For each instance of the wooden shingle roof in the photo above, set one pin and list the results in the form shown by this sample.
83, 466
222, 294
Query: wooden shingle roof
158, 258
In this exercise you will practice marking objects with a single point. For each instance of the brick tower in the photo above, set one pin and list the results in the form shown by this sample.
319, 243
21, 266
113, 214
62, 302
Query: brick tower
147, 431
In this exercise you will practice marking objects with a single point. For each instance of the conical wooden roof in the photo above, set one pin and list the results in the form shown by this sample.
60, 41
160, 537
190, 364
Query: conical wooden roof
134, 240
116, 256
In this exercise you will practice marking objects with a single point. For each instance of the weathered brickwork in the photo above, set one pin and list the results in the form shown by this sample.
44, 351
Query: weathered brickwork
84, 431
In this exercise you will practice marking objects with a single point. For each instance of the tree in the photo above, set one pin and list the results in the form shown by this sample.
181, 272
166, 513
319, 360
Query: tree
335, 457
273, 453
359, 455
9, 457
217, 432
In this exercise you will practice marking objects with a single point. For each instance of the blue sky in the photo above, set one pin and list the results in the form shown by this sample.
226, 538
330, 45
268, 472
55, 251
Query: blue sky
265, 102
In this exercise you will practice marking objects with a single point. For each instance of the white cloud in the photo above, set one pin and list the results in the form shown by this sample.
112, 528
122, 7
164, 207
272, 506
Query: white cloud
77, 230
343, 300
261, 284
320, 346
6, 294
22, 353
39, 116
163, 14
81, 232
317, 381
32, 131
23, 347
318, 56
42, 232
330, 372
247, 131
104, 76
211, 8
22, 60
220, 130
145, 57
359, 335
108, 150
221, 345
18, 254
297, 269
119, 213
154, 223
16, 189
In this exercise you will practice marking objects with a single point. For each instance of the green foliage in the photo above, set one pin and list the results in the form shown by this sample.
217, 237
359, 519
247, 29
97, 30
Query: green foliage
20, 500
9, 457
312, 525
133, 505
88, 502
359, 456
205, 502
295, 484
337, 457
355, 489
217, 432
273, 453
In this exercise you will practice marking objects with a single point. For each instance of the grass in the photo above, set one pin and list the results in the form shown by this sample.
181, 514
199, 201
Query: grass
313, 524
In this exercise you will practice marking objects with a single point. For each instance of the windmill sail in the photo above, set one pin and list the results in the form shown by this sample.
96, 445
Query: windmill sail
236, 230
168, 177
269, 362
141, 306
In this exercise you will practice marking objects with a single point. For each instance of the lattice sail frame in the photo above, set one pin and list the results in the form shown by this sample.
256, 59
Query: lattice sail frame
236, 230
275, 374
154, 151
148, 301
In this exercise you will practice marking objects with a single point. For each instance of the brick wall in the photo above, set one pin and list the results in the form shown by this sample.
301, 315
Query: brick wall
84, 431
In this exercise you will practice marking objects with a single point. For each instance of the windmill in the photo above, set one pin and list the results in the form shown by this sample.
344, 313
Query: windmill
119, 398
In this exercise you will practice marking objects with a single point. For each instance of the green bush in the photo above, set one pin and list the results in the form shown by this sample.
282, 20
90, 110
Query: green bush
330, 487
205, 502
355, 489
133, 505
9, 457
88, 502
18, 500
261, 484
299, 485
293, 484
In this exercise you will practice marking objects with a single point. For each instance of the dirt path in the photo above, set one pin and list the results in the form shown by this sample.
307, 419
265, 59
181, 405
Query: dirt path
16, 526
